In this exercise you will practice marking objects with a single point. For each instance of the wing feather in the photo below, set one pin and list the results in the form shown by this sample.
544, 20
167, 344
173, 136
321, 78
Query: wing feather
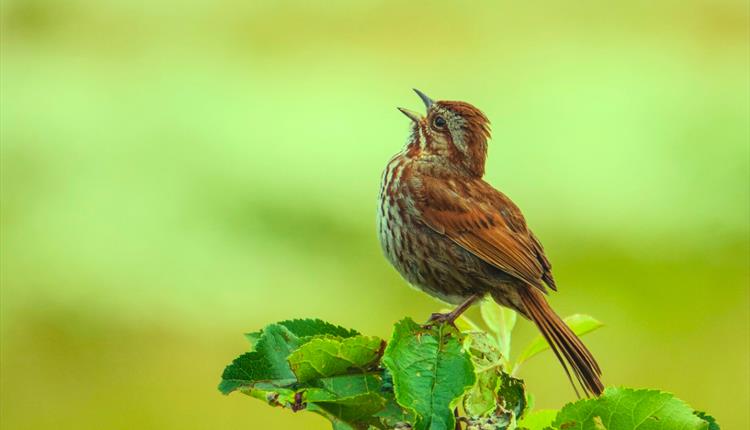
486, 223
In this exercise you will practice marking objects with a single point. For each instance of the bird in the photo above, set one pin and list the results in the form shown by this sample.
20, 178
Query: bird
451, 234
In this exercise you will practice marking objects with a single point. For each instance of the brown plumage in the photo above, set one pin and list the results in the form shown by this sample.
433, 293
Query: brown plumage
452, 235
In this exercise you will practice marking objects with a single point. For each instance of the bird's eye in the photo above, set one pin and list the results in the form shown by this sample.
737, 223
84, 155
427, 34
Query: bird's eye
439, 122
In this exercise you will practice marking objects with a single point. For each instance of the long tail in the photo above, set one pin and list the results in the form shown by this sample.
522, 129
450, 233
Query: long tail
564, 343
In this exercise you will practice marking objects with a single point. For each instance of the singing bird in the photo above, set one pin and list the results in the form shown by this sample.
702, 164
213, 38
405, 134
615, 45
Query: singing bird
454, 236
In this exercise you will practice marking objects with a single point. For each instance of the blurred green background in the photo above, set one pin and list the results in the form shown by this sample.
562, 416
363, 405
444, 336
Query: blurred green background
176, 173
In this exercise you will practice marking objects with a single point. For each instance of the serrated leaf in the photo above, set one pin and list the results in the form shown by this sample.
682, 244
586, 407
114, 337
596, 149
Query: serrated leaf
306, 328
628, 409
332, 370
327, 356
316, 327
579, 323
712, 424
267, 362
265, 365
251, 369
538, 420
500, 320
430, 372
253, 338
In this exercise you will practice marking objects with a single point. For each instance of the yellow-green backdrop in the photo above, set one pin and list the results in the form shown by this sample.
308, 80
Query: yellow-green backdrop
176, 173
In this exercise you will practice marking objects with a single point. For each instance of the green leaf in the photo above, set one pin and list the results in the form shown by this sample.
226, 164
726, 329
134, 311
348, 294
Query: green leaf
306, 328
530, 401
579, 323
538, 420
495, 393
467, 325
628, 409
481, 398
274, 396
328, 356
253, 338
393, 415
316, 327
430, 372
510, 404
511, 394
266, 365
712, 424
491, 422
351, 399
317, 366
325, 369
500, 320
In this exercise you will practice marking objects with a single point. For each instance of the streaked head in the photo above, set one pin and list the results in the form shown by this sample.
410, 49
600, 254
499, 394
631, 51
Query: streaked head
456, 131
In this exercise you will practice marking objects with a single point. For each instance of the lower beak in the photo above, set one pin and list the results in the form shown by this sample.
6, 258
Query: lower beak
411, 114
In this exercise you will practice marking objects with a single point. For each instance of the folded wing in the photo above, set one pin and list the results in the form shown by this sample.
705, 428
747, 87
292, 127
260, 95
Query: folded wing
486, 223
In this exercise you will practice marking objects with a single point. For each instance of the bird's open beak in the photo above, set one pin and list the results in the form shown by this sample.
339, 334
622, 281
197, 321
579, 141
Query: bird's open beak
426, 100
411, 114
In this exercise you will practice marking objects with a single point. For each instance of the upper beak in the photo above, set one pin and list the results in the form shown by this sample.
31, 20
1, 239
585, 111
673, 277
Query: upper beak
427, 101
411, 114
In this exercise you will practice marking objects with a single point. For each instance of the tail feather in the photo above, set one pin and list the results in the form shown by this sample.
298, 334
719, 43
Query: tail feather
568, 348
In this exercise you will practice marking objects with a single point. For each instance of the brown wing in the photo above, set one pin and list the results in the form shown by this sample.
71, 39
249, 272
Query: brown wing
486, 223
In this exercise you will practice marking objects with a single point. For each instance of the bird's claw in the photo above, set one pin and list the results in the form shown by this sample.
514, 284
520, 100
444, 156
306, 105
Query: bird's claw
440, 318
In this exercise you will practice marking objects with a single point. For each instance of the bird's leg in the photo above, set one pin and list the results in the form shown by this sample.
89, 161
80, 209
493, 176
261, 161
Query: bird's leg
455, 313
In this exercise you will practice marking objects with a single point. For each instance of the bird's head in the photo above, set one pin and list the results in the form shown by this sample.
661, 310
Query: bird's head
454, 132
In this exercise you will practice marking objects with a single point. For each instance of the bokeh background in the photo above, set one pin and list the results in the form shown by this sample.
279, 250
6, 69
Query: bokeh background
176, 173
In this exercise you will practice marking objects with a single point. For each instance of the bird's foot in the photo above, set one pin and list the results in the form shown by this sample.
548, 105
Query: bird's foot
440, 318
